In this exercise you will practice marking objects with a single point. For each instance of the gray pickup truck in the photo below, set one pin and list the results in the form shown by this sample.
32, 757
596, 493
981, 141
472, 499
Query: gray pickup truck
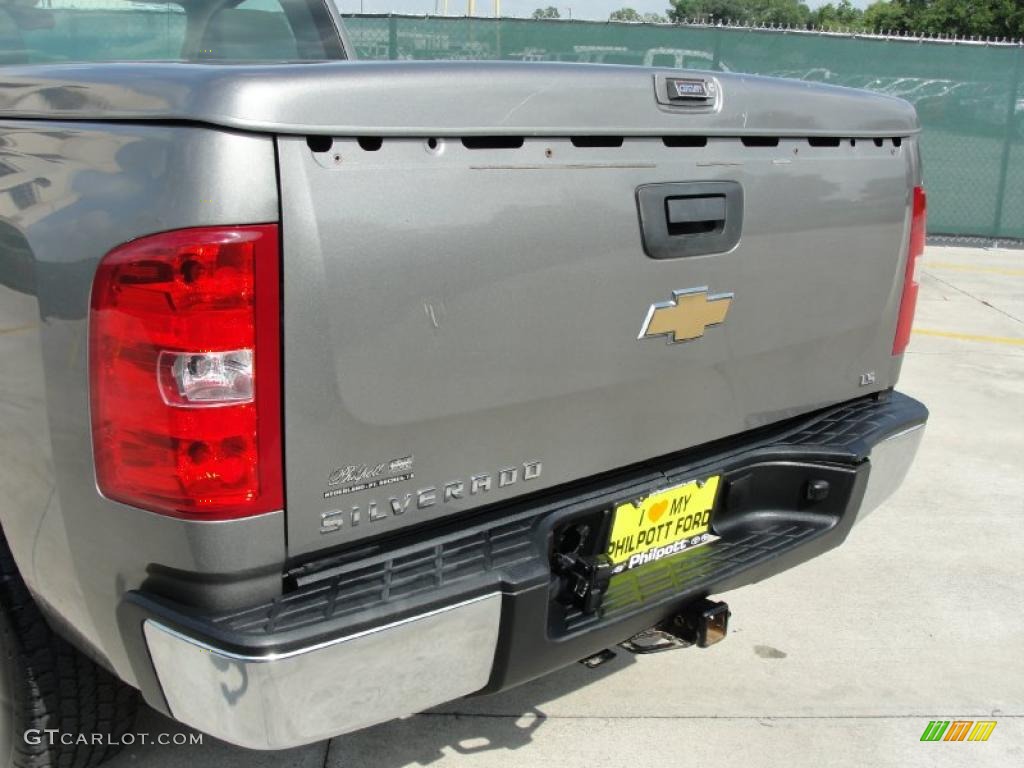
332, 391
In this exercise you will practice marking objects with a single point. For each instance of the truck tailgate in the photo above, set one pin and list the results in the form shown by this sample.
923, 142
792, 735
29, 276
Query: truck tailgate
462, 313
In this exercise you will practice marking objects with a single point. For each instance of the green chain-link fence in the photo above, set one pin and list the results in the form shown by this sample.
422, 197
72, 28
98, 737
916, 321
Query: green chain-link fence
970, 97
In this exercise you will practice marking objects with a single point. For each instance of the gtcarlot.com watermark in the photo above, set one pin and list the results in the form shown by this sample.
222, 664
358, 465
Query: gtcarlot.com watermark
55, 736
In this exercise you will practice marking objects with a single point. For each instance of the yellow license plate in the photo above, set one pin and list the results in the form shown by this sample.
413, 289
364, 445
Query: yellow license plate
664, 524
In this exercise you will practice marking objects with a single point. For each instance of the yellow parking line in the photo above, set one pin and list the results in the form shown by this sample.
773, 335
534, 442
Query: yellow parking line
973, 268
16, 329
1011, 340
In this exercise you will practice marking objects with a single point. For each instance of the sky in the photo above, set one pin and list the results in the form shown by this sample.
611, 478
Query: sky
581, 9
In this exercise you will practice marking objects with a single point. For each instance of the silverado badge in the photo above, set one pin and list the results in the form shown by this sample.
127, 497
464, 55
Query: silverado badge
687, 315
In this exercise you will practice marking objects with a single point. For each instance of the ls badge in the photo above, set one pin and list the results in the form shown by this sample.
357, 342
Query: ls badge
687, 315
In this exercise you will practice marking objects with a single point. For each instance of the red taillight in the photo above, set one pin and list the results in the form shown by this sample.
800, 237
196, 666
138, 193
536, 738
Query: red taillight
184, 356
908, 303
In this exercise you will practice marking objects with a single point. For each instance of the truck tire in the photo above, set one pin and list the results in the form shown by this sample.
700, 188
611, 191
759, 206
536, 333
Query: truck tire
45, 683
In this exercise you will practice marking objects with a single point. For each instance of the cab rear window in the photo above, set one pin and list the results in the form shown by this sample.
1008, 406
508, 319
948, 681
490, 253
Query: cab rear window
44, 31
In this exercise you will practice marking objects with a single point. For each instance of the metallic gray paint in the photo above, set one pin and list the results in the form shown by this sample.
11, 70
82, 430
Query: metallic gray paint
74, 191
477, 308
443, 99
274, 702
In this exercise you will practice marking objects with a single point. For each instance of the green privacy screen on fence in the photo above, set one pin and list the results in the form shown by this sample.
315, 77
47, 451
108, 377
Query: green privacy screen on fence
970, 97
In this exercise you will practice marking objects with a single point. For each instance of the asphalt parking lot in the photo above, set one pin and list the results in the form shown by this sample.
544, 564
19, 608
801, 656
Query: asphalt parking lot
840, 662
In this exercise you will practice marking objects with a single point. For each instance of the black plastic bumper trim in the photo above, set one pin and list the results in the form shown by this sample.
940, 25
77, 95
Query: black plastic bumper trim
765, 524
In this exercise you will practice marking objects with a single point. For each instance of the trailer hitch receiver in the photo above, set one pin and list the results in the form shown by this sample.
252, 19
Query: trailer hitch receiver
705, 623
702, 624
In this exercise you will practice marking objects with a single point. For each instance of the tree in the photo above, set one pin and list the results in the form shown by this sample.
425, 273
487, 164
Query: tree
885, 17
629, 14
547, 13
711, 10
964, 18
784, 12
625, 14
845, 15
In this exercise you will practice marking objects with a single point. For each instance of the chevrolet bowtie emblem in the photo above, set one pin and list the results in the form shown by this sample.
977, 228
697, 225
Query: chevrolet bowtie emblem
687, 315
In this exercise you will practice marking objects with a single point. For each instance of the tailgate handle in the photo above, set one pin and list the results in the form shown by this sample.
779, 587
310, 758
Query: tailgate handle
690, 218
694, 215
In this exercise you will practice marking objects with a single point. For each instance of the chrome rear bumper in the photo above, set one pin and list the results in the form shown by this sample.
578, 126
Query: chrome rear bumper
285, 700
890, 461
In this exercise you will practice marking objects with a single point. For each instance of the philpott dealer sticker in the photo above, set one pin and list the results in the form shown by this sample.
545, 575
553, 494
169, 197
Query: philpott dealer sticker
664, 524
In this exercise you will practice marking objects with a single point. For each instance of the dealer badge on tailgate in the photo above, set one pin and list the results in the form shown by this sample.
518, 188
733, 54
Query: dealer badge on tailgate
664, 524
